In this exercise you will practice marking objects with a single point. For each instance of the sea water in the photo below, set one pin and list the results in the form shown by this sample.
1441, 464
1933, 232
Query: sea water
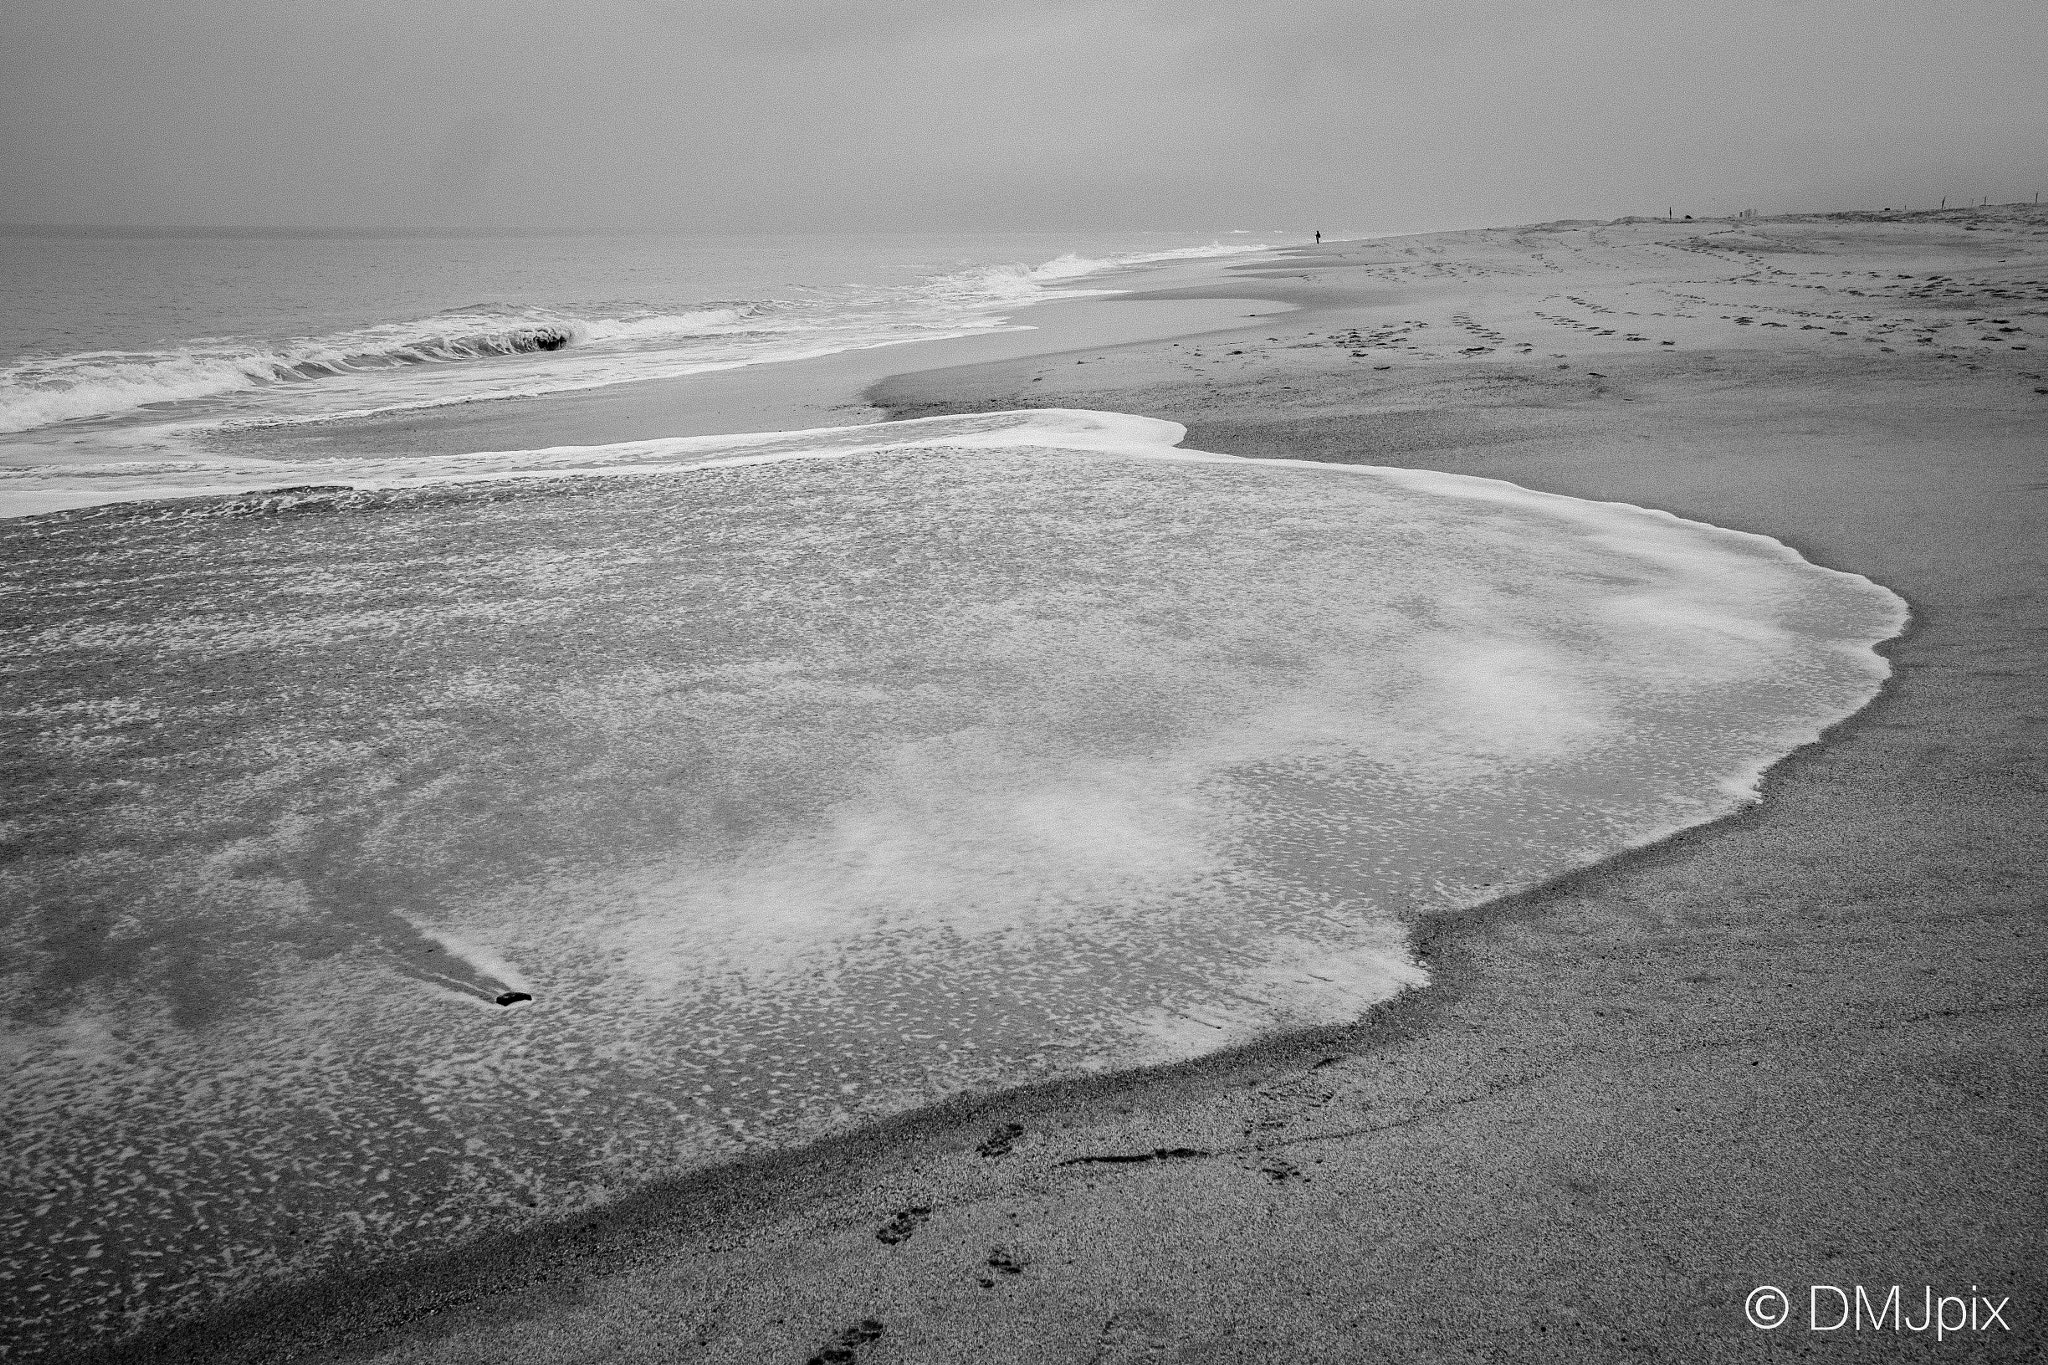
137, 344
798, 779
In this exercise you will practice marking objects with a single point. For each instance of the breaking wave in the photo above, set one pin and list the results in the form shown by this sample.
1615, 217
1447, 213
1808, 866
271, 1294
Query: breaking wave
618, 342
39, 392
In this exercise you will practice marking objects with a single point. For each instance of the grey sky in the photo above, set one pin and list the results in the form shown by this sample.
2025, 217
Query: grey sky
950, 114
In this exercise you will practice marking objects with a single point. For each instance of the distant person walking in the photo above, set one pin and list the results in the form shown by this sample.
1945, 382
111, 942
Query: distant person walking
1319, 236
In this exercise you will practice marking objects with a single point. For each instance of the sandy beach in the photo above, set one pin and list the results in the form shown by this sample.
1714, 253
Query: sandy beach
1803, 1046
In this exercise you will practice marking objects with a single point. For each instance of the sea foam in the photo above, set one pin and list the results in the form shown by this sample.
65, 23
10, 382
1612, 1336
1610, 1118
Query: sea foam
490, 351
801, 778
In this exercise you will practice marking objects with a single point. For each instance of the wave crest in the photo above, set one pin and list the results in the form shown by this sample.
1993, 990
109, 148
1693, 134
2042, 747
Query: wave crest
41, 392
627, 341
1020, 283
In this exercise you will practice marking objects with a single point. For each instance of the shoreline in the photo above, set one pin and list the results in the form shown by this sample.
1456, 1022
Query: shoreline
1532, 1166
1119, 307
819, 391
729, 1197
737, 1196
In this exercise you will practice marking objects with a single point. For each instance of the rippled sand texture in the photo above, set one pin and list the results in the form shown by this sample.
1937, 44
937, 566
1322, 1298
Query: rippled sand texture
794, 792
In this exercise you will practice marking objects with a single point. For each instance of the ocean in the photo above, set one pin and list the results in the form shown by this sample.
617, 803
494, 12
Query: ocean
457, 840
123, 347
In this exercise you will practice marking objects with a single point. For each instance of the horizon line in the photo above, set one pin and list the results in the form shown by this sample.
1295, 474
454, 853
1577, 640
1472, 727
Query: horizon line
250, 230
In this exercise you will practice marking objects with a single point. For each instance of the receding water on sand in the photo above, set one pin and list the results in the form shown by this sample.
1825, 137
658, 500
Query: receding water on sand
794, 790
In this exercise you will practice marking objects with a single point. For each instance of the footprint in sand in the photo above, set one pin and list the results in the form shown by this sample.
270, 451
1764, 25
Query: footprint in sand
902, 1224
1003, 1261
842, 1350
998, 1143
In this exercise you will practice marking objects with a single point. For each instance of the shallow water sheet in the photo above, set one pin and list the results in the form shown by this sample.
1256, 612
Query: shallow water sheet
798, 779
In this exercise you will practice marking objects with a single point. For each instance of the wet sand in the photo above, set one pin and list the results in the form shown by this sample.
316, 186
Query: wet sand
1804, 1045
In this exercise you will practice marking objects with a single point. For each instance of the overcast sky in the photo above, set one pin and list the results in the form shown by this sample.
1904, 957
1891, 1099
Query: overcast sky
963, 114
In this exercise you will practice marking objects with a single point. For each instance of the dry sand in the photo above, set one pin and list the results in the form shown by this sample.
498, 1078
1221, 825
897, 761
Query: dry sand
1804, 1045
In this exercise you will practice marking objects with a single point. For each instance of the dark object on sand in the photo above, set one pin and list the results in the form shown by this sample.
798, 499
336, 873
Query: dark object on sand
1130, 1158
513, 997
1008, 1262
